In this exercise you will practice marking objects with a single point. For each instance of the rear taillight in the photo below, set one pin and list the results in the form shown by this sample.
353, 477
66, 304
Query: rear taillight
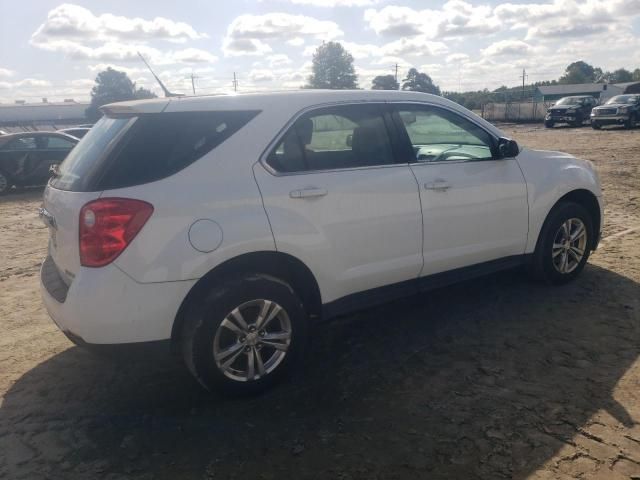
107, 226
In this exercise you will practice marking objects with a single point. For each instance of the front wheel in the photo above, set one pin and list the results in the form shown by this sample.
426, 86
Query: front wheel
630, 122
564, 244
244, 335
595, 125
548, 124
578, 121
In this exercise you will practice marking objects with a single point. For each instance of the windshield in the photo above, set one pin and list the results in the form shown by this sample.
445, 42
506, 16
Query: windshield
570, 101
623, 99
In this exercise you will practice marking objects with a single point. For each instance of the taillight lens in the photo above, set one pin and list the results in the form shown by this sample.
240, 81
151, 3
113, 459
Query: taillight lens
107, 226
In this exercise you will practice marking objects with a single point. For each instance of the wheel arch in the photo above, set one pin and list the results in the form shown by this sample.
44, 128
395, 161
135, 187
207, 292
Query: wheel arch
588, 200
277, 264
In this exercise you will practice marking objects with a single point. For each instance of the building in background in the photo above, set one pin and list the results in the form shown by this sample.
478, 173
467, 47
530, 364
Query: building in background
21, 116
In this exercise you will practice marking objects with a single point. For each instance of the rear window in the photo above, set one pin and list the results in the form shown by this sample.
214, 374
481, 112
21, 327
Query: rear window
122, 152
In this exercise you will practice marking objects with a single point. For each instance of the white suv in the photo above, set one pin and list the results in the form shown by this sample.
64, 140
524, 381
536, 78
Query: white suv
226, 226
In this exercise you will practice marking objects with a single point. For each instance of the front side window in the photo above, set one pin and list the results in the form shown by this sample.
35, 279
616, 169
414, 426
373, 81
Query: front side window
348, 136
438, 135
23, 143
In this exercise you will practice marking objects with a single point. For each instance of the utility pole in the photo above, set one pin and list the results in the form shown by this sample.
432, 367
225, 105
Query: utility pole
524, 77
396, 69
235, 82
193, 83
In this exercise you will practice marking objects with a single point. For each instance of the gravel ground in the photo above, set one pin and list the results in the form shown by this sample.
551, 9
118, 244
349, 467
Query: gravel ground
499, 378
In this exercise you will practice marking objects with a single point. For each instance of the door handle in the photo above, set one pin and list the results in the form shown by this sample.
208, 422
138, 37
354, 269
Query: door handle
438, 185
308, 192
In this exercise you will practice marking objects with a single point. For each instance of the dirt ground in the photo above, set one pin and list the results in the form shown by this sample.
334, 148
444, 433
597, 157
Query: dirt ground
500, 378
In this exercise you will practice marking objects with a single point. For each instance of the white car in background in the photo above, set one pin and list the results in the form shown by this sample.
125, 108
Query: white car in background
226, 226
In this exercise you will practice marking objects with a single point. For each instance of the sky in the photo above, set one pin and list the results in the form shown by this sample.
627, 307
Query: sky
55, 50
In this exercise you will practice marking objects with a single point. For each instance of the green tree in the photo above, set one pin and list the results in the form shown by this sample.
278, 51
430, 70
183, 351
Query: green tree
580, 72
419, 82
636, 75
621, 75
332, 68
113, 86
385, 82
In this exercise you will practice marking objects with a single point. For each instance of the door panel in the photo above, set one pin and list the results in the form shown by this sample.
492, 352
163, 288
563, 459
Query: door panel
481, 216
474, 207
362, 230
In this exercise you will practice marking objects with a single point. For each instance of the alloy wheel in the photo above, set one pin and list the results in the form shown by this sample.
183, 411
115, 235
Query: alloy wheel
252, 340
569, 245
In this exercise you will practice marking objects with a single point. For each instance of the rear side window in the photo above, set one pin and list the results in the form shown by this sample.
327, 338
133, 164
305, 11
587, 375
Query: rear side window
148, 148
348, 136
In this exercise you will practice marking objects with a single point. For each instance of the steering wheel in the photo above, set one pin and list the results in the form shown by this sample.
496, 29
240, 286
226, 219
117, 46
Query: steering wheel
445, 154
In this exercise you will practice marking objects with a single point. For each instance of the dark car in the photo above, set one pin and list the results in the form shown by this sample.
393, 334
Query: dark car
77, 132
571, 110
619, 110
26, 158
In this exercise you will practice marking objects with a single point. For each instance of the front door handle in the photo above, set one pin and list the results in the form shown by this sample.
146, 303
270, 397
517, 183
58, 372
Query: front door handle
438, 185
308, 192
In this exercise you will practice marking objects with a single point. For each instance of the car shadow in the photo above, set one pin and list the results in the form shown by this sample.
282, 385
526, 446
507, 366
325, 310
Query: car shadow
23, 193
486, 379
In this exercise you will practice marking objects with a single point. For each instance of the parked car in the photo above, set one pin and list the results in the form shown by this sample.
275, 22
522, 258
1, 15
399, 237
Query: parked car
26, 158
571, 110
228, 226
618, 110
77, 132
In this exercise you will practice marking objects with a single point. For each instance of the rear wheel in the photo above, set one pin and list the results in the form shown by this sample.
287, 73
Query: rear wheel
564, 244
5, 183
245, 335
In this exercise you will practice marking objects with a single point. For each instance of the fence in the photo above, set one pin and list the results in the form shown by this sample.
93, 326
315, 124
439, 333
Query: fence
520, 112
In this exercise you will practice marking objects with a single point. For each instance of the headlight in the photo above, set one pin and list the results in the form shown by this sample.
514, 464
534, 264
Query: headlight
623, 109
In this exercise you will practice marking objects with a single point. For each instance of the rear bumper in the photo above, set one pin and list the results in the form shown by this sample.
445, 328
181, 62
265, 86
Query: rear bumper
104, 306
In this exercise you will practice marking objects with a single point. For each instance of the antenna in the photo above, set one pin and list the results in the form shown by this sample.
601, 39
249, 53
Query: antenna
167, 93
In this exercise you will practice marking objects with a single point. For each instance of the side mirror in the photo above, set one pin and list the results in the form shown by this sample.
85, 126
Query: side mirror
508, 148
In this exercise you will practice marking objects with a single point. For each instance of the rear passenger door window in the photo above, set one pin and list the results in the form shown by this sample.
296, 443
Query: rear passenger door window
341, 137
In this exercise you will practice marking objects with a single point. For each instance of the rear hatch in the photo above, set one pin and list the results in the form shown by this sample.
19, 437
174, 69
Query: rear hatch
126, 148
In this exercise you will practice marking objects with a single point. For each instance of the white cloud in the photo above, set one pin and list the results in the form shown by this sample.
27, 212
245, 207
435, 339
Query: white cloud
296, 42
261, 75
418, 46
246, 35
457, 58
456, 18
507, 47
334, 3
73, 22
5, 73
278, 60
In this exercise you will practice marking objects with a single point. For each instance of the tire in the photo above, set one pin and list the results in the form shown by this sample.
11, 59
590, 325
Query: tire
213, 335
578, 121
548, 124
547, 263
5, 183
630, 123
596, 125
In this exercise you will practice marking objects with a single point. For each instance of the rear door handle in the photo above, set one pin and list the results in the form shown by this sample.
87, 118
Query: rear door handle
438, 185
308, 192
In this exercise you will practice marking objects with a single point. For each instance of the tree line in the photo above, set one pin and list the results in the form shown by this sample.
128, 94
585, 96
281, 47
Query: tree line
333, 68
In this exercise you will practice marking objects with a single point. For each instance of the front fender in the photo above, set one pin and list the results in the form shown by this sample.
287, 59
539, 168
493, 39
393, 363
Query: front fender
550, 176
